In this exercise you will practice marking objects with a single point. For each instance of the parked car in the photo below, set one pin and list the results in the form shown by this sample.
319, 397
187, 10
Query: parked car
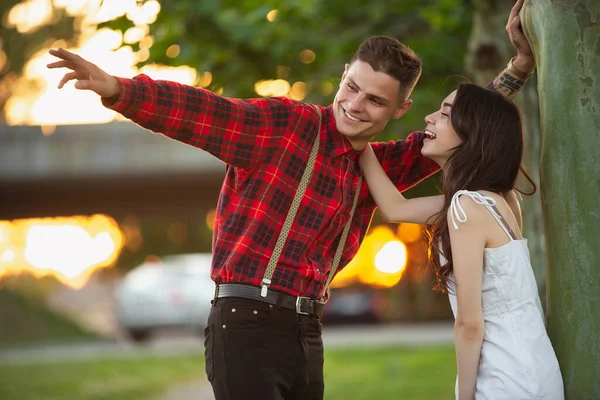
354, 304
172, 293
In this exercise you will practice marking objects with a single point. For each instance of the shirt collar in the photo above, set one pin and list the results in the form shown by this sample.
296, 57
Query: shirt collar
337, 143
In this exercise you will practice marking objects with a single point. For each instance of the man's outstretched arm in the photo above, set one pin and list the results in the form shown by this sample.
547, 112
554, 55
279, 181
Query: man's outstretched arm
238, 132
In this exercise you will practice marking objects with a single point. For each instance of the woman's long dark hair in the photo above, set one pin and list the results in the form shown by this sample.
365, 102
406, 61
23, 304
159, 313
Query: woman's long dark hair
489, 158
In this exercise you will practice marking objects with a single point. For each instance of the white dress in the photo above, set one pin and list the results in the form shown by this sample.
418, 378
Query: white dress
517, 359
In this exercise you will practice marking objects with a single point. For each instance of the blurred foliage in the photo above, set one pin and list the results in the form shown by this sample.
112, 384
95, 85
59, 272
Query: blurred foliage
235, 41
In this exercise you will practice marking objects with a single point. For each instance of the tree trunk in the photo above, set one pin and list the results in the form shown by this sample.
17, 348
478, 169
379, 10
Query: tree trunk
566, 40
489, 51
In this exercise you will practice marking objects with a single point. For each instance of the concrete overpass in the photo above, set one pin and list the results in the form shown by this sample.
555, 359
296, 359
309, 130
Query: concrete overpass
116, 168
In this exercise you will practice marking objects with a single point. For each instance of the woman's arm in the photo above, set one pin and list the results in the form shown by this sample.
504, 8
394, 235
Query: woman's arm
392, 205
468, 244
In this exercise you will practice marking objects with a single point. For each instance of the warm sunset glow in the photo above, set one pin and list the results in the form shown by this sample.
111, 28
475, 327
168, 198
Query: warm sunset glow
173, 51
28, 15
68, 248
281, 87
51, 106
391, 259
205, 79
298, 91
410, 233
307, 56
272, 15
210, 219
380, 261
327, 88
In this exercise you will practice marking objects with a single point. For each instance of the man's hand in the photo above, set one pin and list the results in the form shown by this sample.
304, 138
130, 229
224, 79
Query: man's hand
88, 76
524, 61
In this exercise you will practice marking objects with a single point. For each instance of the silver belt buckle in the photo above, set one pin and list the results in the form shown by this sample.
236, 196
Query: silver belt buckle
298, 310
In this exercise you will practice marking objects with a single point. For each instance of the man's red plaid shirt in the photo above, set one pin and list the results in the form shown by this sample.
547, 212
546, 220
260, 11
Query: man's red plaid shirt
266, 143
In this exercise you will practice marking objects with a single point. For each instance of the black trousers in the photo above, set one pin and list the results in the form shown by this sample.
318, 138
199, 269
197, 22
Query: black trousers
257, 351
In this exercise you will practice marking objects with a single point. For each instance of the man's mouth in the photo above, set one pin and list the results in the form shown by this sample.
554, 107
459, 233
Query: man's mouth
429, 134
352, 117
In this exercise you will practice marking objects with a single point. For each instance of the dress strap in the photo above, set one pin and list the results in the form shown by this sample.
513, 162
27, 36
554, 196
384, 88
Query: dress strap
457, 212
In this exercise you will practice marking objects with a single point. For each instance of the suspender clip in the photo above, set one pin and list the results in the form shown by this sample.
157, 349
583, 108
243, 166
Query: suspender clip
264, 287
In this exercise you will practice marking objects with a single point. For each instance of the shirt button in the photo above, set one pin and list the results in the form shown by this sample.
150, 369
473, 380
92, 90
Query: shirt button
224, 326
255, 312
233, 310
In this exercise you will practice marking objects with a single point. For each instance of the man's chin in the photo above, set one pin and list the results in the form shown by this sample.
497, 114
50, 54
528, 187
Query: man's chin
350, 134
353, 131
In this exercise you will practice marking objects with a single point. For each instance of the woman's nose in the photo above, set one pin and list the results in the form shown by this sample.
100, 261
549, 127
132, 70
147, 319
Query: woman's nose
429, 119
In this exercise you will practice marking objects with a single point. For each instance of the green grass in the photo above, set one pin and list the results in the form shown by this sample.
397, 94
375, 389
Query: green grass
390, 373
26, 320
354, 374
117, 379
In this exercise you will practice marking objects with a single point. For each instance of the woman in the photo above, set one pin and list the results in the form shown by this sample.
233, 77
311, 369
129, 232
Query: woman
477, 251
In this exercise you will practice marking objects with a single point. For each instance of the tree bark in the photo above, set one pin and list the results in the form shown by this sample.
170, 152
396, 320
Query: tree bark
489, 51
566, 40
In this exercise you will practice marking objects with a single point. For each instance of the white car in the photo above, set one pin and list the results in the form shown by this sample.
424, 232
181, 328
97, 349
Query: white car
173, 293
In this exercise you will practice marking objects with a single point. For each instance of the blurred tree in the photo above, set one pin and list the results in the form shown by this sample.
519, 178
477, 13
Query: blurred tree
489, 51
22, 35
309, 41
243, 42
566, 41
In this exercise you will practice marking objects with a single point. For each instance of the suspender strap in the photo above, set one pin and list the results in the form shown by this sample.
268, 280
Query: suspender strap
266, 281
289, 219
342, 243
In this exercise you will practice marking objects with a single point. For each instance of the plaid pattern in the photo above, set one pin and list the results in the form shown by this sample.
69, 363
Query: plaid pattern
266, 143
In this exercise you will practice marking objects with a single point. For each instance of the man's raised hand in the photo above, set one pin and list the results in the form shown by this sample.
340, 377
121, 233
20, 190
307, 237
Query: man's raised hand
88, 76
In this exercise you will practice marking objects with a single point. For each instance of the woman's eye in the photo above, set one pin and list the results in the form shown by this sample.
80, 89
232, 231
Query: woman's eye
444, 114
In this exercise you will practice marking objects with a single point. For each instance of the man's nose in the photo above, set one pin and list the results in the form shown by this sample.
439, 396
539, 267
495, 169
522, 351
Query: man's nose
357, 104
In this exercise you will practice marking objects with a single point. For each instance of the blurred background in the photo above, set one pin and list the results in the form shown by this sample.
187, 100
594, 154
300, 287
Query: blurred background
105, 228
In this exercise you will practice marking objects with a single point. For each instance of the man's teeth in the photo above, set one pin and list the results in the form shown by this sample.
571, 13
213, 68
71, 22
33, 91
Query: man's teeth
351, 117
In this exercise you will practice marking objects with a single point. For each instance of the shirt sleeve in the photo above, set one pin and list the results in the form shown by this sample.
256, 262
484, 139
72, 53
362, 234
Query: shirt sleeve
403, 162
238, 132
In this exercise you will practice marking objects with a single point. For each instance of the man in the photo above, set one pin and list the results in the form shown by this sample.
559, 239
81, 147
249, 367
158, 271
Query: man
275, 252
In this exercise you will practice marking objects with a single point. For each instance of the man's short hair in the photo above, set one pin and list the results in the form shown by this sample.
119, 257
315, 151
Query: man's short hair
388, 55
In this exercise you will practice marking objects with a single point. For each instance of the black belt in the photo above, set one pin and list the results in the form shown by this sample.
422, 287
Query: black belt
302, 305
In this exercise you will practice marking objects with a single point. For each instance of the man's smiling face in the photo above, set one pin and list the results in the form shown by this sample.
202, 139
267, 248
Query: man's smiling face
365, 102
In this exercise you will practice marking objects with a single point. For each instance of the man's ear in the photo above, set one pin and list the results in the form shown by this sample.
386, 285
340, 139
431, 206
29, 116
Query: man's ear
346, 67
402, 109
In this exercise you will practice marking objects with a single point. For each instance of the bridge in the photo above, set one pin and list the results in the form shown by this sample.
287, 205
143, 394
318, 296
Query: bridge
116, 168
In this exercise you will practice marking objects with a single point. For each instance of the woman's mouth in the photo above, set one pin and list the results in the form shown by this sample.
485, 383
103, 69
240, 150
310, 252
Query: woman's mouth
429, 135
